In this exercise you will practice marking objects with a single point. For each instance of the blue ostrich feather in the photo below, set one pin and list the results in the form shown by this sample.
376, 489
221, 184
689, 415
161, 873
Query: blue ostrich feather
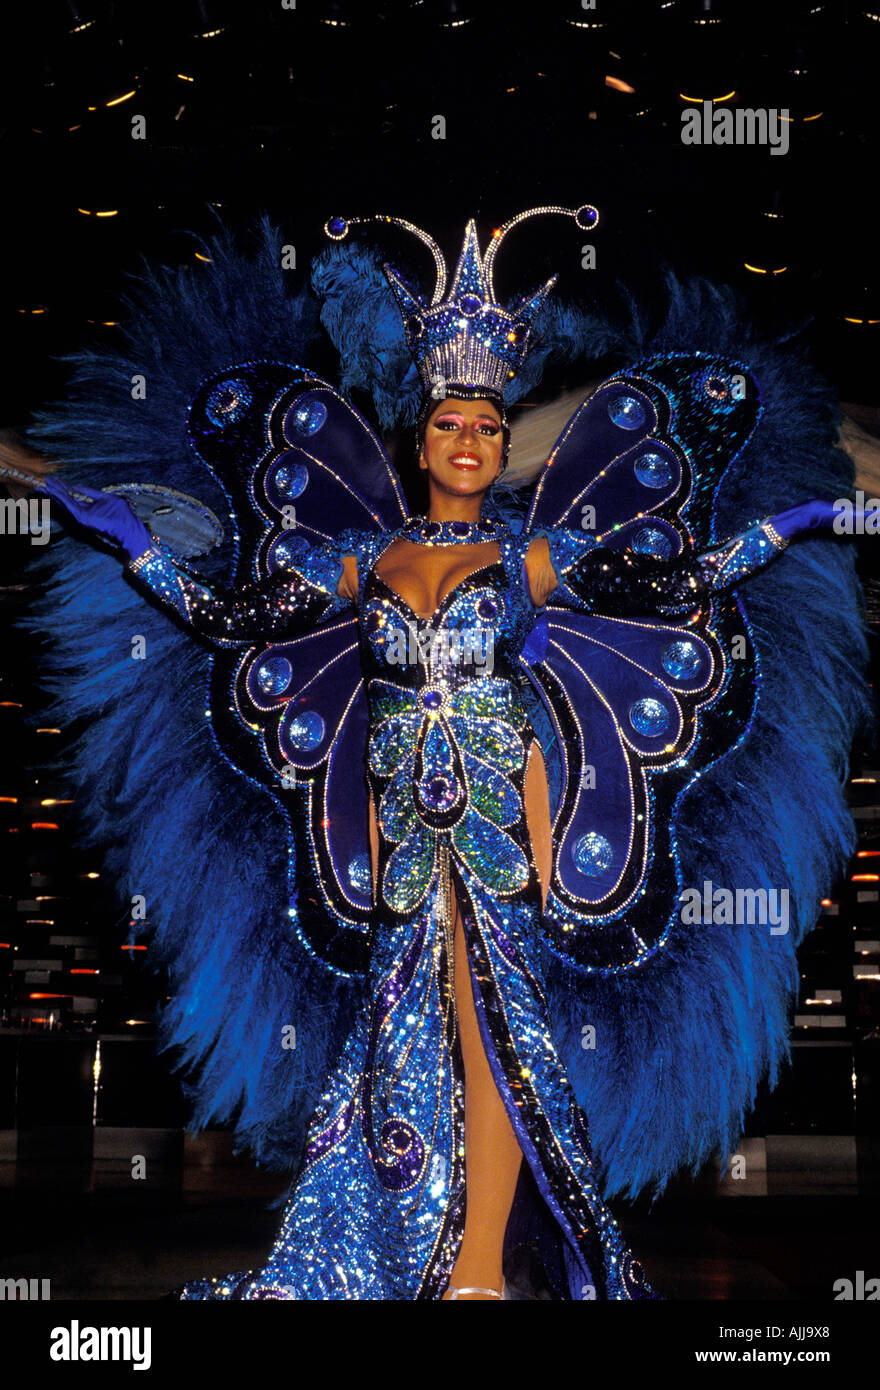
683, 1043
175, 822
682, 1046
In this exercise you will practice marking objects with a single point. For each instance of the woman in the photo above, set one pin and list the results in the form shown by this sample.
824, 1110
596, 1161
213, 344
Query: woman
423, 574
449, 1106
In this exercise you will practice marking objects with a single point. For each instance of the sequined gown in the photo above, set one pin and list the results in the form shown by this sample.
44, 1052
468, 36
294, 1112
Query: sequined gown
376, 1209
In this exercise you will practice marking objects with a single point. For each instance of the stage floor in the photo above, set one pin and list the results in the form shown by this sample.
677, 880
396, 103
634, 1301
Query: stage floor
117, 1245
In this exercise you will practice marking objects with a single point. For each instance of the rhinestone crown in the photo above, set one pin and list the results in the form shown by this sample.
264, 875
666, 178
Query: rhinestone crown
466, 339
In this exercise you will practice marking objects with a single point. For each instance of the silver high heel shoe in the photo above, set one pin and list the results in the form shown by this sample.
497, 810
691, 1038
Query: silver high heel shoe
459, 1289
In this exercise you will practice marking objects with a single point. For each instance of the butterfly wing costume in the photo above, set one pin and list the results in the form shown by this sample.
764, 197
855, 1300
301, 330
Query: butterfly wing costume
316, 1010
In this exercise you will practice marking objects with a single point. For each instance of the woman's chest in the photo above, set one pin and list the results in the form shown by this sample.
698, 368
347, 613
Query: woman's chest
424, 577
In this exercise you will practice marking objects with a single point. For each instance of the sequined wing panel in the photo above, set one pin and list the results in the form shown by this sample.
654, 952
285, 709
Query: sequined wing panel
299, 466
639, 706
648, 449
305, 461
293, 716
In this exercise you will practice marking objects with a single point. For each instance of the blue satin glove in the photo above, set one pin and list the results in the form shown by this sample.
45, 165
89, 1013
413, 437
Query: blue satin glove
806, 516
107, 515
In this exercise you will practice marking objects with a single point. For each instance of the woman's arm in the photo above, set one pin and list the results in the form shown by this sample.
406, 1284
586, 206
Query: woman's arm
620, 582
286, 602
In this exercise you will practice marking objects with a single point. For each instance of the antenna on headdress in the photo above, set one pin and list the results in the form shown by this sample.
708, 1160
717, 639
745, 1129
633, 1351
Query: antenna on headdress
337, 229
586, 217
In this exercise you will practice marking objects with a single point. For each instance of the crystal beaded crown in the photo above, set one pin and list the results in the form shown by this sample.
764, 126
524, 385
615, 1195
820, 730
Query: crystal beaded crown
467, 339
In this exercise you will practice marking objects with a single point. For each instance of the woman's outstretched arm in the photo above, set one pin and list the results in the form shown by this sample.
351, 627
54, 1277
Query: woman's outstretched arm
288, 601
619, 582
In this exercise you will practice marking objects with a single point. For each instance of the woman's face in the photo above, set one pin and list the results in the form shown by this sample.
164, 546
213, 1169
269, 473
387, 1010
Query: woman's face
462, 446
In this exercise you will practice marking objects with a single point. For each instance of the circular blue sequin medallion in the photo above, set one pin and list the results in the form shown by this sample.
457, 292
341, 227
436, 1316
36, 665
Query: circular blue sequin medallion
273, 675
681, 659
653, 469
308, 415
288, 548
627, 412
228, 401
651, 540
649, 717
359, 874
291, 478
592, 854
306, 730
716, 387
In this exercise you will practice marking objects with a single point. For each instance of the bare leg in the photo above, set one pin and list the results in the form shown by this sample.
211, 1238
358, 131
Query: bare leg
492, 1152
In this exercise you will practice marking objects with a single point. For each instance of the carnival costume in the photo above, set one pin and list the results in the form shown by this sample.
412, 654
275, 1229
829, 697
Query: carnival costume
320, 1014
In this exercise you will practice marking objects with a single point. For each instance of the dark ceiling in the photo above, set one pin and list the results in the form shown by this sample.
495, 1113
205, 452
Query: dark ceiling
305, 108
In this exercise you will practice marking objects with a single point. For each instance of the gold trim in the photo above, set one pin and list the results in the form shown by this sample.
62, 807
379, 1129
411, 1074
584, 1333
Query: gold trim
772, 534
444, 905
137, 564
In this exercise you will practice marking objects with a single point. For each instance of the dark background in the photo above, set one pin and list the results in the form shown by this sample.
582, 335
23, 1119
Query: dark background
328, 108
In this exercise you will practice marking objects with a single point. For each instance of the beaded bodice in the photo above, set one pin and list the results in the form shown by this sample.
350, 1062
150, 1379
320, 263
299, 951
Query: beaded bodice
449, 731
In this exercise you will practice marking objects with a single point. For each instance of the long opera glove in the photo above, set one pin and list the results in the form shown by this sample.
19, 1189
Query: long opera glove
610, 581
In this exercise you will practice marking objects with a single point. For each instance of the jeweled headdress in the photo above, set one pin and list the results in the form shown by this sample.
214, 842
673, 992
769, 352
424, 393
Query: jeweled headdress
467, 340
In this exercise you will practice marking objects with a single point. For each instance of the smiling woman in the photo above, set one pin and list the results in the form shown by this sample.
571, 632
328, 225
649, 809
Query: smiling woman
461, 448
449, 1155
463, 444
453, 1070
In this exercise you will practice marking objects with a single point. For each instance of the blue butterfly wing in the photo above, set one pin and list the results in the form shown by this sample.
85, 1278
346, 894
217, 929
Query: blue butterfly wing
647, 449
299, 465
276, 436
636, 705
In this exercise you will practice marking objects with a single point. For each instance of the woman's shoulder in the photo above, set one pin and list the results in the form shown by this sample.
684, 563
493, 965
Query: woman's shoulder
357, 552
547, 553
364, 547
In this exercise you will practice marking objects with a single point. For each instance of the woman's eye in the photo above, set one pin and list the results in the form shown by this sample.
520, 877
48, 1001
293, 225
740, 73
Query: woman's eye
485, 426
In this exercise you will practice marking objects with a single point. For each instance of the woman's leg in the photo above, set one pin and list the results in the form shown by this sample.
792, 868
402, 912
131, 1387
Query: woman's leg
492, 1152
